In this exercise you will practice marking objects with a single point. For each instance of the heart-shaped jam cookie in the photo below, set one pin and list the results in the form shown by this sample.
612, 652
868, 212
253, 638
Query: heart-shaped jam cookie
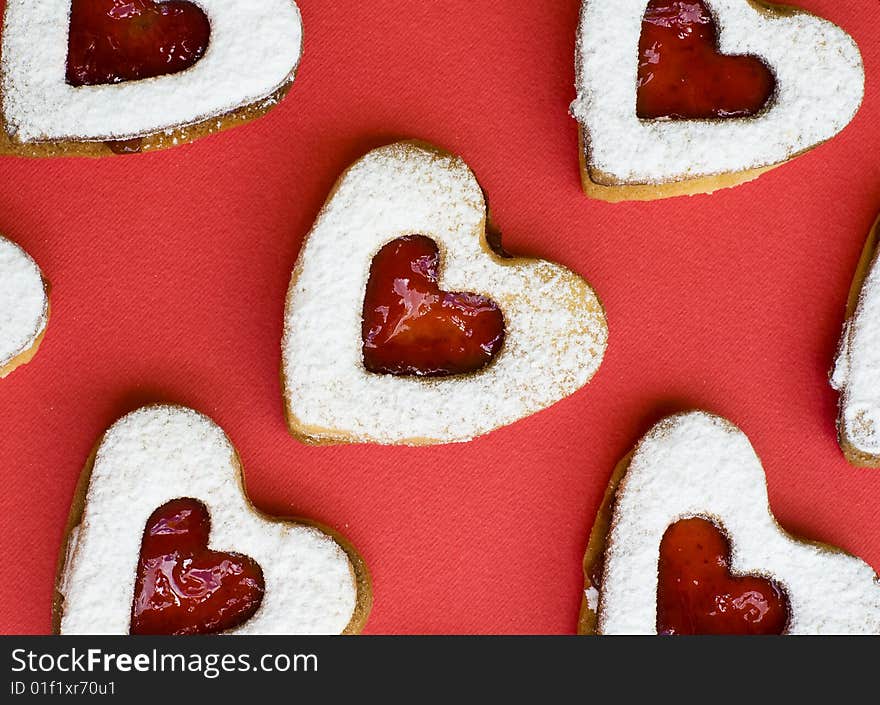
856, 373
412, 327
696, 593
182, 587
679, 97
95, 77
24, 307
112, 41
163, 540
685, 543
682, 74
404, 325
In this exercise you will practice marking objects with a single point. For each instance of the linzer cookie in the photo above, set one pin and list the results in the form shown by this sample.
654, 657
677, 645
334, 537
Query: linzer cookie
678, 97
24, 307
95, 77
404, 325
685, 543
163, 540
856, 373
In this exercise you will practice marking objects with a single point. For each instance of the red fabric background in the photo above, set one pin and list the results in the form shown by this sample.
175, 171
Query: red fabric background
169, 273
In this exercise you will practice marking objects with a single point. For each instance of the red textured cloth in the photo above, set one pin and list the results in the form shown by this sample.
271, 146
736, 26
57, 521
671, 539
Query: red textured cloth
169, 273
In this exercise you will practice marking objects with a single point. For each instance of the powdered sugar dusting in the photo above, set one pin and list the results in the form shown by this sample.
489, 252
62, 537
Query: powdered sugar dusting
700, 465
162, 453
555, 327
24, 305
254, 49
820, 84
591, 596
857, 371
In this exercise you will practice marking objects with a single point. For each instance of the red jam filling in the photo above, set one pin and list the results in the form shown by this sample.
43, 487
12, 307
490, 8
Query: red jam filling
112, 41
412, 327
184, 588
696, 594
682, 75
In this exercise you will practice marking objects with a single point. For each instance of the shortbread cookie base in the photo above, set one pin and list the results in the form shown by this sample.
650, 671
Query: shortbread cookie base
869, 256
601, 187
149, 143
363, 580
318, 436
579, 303
25, 357
594, 556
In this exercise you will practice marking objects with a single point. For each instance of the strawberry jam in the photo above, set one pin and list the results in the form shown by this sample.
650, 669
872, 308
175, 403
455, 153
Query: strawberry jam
184, 588
112, 41
682, 75
412, 327
696, 594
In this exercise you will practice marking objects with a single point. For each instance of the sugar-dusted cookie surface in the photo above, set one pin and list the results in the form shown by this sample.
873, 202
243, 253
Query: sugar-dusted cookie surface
817, 86
692, 472
856, 373
247, 64
157, 469
400, 198
24, 307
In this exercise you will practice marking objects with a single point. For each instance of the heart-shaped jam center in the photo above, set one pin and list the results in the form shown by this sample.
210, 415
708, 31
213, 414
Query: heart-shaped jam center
182, 587
112, 41
696, 594
683, 76
412, 327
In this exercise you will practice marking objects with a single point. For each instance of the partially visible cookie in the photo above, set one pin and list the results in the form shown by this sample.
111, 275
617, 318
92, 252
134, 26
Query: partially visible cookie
94, 77
685, 543
24, 307
856, 373
162, 539
678, 98
407, 324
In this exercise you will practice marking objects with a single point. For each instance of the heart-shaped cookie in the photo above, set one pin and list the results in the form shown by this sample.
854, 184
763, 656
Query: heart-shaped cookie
24, 307
635, 146
700, 467
856, 373
164, 488
144, 75
554, 330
